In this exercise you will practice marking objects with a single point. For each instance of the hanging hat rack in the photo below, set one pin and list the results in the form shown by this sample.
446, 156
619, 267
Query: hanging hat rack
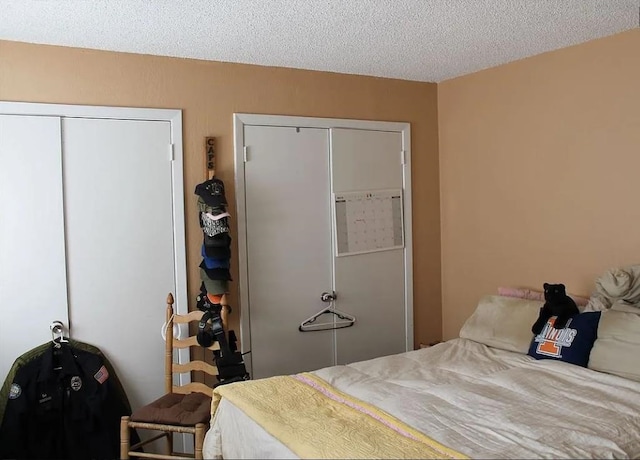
214, 269
210, 167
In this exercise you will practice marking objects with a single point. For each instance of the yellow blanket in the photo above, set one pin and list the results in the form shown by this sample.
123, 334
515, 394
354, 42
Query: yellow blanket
314, 420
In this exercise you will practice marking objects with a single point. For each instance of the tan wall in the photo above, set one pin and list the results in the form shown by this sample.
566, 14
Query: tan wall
210, 92
540, 165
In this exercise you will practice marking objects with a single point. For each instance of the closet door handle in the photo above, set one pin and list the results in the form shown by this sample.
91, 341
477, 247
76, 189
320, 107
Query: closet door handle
328, 296
57, 327
57, 332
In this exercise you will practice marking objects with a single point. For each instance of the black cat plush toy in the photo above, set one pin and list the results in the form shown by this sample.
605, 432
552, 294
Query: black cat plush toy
558, 304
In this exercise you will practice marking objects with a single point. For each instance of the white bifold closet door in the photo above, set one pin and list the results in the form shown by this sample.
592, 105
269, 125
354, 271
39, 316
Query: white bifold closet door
120, 250
87, 238
33, 288
288, 247
290, 178
371, 285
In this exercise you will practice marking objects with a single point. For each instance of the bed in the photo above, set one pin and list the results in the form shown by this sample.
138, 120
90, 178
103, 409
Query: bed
477, 396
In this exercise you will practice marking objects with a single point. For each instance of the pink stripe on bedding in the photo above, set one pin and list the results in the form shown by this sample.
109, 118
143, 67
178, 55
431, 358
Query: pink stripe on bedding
352, 404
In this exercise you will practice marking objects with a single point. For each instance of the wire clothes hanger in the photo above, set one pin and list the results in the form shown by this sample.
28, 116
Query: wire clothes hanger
339, 319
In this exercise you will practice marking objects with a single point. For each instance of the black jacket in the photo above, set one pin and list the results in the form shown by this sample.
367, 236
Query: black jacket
62, 403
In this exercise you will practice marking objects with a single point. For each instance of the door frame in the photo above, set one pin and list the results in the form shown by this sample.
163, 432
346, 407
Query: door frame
239, 122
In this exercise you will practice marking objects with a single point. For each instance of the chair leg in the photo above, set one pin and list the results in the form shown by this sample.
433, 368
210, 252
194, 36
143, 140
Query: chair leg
124, 438
199, 440
169, 436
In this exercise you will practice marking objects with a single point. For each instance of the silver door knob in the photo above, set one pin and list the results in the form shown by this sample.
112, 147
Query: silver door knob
57, 327
57, 333
328, 296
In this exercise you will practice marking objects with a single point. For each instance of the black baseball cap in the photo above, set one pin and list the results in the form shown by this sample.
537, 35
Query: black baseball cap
217, 241
212, 192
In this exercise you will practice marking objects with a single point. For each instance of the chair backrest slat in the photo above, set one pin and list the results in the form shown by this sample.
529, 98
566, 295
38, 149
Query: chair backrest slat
192, 341
195, 366
191, 316
193, 387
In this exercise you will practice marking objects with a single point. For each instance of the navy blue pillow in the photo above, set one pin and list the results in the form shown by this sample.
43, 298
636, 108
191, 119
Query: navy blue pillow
572, 344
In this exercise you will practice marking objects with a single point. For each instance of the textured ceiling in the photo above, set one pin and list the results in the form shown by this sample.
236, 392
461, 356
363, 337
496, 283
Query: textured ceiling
425, 40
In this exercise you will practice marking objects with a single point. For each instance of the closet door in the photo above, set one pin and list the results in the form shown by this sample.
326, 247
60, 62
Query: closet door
288, 246
370, 285
33, 288
120, 254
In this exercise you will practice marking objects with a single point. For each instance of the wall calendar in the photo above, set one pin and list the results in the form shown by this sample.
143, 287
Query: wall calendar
368, 221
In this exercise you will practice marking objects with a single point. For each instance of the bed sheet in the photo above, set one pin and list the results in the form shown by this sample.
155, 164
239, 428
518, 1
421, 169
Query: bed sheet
243, 438
481, 401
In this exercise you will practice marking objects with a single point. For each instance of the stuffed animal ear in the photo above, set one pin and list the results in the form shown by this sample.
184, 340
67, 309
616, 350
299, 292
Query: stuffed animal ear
545, 286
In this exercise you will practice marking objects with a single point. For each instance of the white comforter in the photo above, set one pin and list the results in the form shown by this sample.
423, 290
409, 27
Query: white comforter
480, 401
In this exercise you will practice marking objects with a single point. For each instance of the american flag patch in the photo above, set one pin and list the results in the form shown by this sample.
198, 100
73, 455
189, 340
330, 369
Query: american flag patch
102, 375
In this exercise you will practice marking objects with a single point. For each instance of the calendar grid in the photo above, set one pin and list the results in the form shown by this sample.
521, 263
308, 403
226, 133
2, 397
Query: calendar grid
368, 221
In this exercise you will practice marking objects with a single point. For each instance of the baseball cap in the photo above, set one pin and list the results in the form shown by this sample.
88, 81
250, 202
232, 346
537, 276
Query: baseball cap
204, 207
212, 262
217, 241
216, 273
212, 192
220, 252
214, 286
213, 227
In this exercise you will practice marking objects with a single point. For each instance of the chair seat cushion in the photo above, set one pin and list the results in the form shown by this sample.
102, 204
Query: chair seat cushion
176, 409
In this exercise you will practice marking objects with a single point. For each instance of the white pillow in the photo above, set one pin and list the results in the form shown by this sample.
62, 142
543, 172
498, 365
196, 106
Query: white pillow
617, 348
503, 322
623, 306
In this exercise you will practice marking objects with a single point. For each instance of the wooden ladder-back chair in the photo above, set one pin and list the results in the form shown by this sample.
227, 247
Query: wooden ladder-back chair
183, 409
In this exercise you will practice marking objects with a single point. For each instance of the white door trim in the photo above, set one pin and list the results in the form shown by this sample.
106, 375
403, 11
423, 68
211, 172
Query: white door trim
242, 119
174, 117
87, 111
